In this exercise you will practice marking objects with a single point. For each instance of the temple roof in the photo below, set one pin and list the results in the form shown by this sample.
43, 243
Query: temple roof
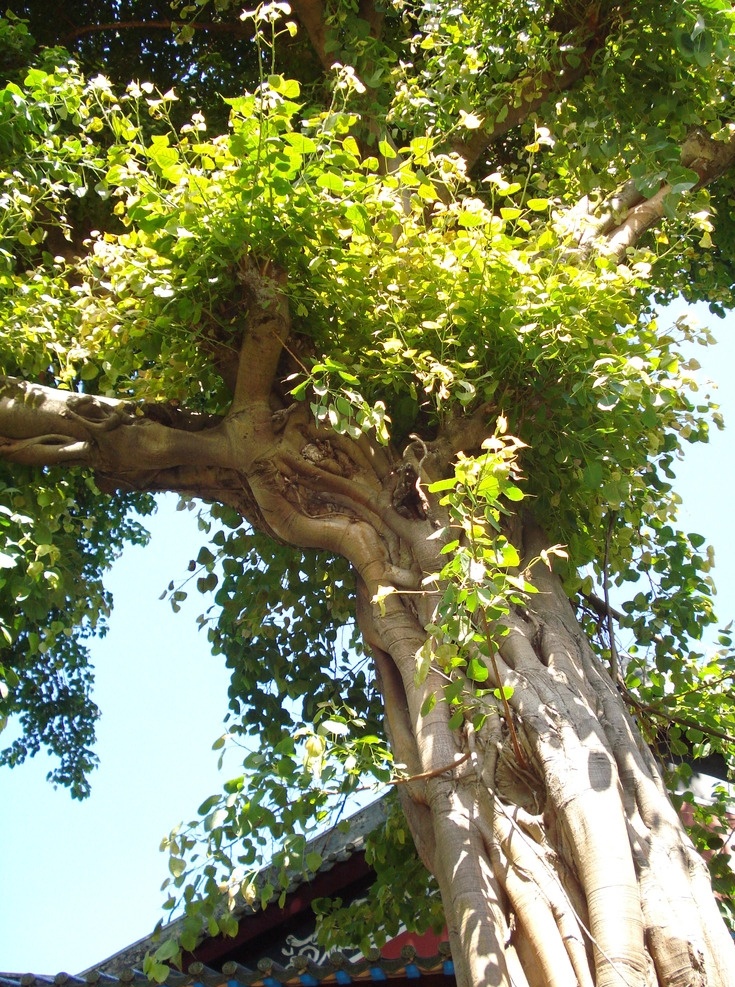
243, 961
337, 969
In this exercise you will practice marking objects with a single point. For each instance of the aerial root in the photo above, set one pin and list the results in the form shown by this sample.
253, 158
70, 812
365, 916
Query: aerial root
546, 917
677, 932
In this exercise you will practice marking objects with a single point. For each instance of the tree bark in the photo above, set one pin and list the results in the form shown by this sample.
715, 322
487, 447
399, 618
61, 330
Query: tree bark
573, 866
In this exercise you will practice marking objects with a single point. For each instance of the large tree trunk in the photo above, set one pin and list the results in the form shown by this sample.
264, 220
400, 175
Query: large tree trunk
579, 843
560, 858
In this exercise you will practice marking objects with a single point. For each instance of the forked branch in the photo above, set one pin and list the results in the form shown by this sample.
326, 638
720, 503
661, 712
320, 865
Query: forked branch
42, 426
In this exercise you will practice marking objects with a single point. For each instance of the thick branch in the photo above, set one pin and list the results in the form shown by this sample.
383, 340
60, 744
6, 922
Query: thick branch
640, 219
462, 434
41, 426
311, 15
544, 84
369, 12
708, 158
268, 326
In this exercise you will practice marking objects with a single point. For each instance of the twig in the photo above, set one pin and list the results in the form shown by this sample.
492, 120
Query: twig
241, 30
430, 774
614, 659
682, 721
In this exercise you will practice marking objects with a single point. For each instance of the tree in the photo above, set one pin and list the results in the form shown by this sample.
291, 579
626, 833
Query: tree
399, 326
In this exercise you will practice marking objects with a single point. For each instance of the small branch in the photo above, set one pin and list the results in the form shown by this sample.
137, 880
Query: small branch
614, 660
682, 721
705, 686
236, 28
431, 774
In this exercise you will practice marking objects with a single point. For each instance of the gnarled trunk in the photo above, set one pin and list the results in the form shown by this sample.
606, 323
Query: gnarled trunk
560, 857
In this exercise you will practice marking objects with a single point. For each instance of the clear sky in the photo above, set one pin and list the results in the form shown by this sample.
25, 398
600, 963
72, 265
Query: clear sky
80, 881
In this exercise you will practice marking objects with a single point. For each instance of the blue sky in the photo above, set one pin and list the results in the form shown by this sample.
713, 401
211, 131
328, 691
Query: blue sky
79, 881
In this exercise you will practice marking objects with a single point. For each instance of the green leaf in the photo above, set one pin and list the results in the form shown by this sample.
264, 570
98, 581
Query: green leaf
454, 690
487, 332
208, 804
158, 972
359, 220
206, 584
477, 671
331, 181
313, 861
177, 866
448, 484
301, 143
168, 950
291, 89
424, 657
205, 557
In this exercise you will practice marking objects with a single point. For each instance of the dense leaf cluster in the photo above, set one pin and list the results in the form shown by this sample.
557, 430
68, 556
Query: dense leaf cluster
58, 538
